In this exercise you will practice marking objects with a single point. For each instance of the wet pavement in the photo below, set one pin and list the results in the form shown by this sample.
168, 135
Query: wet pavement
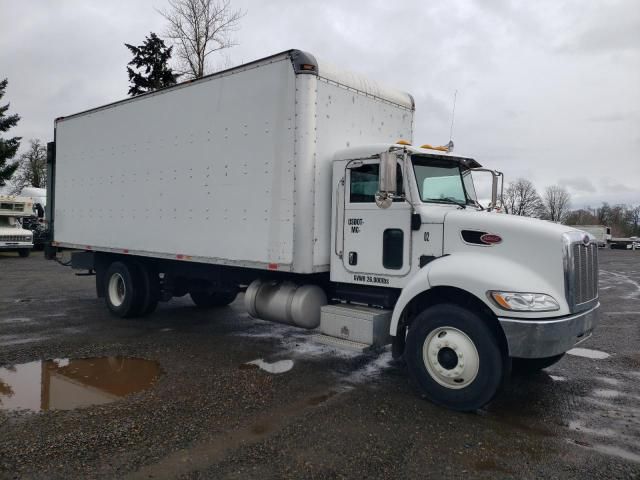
188, 393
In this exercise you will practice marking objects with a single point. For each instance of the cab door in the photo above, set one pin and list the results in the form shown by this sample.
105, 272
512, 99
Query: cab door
377, 241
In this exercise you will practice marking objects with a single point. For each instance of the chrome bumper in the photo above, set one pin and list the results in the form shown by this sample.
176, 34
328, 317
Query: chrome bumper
546, 338
15, 246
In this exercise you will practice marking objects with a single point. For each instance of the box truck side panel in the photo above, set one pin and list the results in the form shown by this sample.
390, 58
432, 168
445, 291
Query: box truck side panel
203, 170
347, 117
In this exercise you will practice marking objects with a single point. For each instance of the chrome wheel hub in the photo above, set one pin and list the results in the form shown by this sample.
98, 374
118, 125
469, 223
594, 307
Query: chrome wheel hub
116, 290
451, 357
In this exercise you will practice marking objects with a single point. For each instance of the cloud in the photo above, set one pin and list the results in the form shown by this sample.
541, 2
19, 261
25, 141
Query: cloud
578, 184
614, 117
531, 101
603, 27
612, 186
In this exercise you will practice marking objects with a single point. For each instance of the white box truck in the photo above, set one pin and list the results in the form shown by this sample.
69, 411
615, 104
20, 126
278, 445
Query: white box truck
296, 183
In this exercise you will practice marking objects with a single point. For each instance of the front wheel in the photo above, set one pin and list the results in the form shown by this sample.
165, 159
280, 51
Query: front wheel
454, 358
24, 252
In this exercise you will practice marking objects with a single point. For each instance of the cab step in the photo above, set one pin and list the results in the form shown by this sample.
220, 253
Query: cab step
341, 343
354, 327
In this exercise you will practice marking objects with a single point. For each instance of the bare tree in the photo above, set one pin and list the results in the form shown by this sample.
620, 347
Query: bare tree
634, 220
556, 203
199, 28
32, 168
521, 198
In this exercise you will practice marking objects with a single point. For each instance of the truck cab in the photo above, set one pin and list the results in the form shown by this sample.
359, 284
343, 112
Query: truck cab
474, 288
13, 237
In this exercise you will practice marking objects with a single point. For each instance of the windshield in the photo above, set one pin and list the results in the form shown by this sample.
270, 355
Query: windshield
443, 181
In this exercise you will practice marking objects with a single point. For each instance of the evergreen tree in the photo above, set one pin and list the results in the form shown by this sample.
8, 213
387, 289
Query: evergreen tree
152, 71
9, 146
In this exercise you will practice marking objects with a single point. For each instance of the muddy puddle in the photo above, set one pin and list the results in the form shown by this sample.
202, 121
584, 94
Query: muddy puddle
65, 384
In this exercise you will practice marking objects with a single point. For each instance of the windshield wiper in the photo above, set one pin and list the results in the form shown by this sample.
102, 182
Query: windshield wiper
446, 200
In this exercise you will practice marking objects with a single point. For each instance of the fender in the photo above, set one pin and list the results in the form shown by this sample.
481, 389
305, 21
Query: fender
476, 273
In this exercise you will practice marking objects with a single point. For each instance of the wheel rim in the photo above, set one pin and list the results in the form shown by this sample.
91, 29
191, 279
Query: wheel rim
451, 357
117, 290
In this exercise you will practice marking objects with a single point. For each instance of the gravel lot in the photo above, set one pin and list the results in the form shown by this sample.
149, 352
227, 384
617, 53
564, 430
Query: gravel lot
332, 415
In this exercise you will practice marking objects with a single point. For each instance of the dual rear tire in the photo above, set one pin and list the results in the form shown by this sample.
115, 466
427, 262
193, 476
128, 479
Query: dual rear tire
215, 299
131, 289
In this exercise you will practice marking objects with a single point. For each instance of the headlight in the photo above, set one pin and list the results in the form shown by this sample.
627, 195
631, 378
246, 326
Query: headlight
524, 302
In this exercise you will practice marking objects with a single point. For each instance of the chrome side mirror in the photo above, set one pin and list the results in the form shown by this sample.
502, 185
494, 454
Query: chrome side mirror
387, 179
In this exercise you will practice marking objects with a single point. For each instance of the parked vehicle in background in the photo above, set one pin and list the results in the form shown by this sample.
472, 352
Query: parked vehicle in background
601, 233
13, 237
36, 222
296, 182
630, 243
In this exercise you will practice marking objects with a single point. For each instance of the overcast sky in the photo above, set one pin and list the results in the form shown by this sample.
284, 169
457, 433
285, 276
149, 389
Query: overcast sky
547, 90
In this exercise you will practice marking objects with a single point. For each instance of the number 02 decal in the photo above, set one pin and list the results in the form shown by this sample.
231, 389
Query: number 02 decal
426, 236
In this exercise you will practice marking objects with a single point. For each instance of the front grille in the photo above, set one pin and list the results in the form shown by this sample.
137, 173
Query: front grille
585, 266
15, 238
580, 270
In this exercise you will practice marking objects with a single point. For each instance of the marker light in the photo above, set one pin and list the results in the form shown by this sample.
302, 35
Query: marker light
524, 302
403, 142
431, 147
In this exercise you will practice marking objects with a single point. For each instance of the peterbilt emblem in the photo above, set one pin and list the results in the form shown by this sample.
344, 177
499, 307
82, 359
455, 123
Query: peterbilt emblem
586, 240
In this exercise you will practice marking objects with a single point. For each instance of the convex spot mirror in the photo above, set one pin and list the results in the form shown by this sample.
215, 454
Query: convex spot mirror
387, 180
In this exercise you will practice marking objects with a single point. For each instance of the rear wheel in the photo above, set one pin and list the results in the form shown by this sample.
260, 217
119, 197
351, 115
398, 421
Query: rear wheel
454, 358
123, 293
24, 252
533, 365
149, 288
215, 299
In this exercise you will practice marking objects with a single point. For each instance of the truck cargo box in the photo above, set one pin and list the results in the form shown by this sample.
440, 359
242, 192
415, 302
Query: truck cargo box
232, 169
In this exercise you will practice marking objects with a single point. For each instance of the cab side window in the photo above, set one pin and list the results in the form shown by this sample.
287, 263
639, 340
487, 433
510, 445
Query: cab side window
364, 183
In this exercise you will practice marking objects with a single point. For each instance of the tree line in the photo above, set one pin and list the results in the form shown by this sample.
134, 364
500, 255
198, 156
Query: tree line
197, 29
521, 198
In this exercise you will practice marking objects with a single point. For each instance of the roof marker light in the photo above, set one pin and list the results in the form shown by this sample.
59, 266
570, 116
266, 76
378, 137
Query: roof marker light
442, 148
403, 142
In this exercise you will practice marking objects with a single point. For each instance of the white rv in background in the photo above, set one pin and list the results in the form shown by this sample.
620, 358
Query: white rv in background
297, 183
14, 238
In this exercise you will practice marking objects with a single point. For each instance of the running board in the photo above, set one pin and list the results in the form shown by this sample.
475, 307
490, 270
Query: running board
341, 343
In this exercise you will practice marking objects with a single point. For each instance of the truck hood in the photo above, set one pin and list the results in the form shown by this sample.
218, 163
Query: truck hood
14, 231
530, 245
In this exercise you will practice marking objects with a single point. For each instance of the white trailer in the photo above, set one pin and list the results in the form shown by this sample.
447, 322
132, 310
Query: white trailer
296, 182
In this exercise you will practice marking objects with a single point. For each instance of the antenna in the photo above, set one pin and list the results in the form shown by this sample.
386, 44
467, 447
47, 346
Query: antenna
453, 116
